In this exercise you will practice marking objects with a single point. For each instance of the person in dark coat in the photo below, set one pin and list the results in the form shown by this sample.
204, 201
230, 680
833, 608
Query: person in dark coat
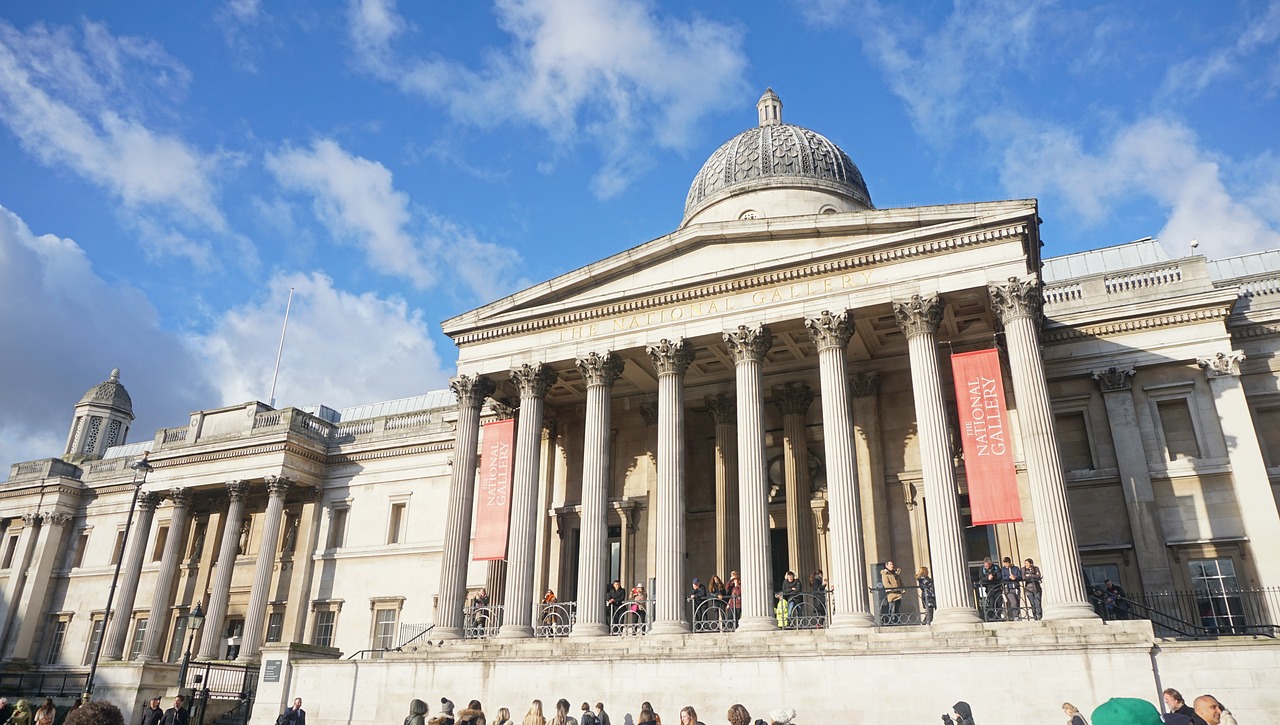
417, 713
472, 714
177, 715
445, 716
614, 599
152, 714
698, 597
961, 714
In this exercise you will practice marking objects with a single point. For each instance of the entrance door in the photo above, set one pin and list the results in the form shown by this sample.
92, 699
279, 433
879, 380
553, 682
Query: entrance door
779, 559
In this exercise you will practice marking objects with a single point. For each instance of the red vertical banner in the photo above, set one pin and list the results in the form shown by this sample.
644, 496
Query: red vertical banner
984, 430
493, 502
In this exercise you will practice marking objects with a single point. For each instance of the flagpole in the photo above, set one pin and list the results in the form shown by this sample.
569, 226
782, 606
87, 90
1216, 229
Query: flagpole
280, 352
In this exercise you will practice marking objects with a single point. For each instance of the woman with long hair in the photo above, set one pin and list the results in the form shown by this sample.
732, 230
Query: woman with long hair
46, 713
534, 716
1073, 714
928, 596
504, 717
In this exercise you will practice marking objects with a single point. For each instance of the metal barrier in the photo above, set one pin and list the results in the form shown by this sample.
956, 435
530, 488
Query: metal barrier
555, 619
43, 684
481, 622
632, 618
1201, 614
805, 610
714, 615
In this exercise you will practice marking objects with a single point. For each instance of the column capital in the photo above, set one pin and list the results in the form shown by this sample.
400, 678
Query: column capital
502, 409
237, 490
830, 331
600, 369
471, 390
534, 380
1222, 364
149, 500
181, 497
671, 357
650, 415
1016, 298
1114, 379
30, 519
746, 344
865, 384
278, 486
55, 518
723, 408
793, 398
919, 315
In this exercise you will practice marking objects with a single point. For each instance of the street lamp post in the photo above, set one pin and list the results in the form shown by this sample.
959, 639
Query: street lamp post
140, 470
195, 619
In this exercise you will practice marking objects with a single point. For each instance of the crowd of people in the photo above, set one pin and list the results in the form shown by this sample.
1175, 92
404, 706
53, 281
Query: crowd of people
1207, 710
1002, 589
473, 714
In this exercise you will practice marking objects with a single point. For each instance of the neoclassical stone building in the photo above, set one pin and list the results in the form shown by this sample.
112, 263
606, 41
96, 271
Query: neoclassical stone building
766, 388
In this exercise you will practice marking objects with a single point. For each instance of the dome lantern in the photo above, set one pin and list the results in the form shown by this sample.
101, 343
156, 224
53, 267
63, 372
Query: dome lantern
102, 420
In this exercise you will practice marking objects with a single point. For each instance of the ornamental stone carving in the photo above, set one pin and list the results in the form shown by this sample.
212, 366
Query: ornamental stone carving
600, 369
671, 358
650, 415
793, 398
1222, 363
149, 500
534, 380
723, 409
278, 486
830, 331
471, 390
181, 497
1114, 379
918, 315
746, 344
237, 490
865, 385
30, 519
1016, 298
55, 518
502, 410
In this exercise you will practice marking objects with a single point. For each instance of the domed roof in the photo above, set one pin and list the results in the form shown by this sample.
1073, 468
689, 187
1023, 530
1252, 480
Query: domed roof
775, 154
110, 393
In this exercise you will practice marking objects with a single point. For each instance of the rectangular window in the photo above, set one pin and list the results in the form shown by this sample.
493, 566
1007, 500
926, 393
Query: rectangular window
1179, 430
337, 528
116, 553
82, 545
1218, 599
58, 636
175, 642
384, 628
275, 626
139, 633
395, 527
162, 536
95, 637
325, 620
10, 547
1073, 441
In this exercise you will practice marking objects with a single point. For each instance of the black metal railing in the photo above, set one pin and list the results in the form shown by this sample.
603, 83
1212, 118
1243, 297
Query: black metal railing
43, 684
632, 618
713, 614
222, 681
481, 622
554, 619
802, 610
1200, 614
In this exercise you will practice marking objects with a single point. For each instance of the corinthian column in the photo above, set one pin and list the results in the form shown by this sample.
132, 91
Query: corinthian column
793, 401
1018, 305
919, 318
831, 333
671, 360
162, 597
517, 616
118, 627
599, 372
724, 413
867, 451
211, 634
471, 393
251, 639
748, 348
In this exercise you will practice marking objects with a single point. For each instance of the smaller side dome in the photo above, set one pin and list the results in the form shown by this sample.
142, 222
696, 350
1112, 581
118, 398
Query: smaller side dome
110, 393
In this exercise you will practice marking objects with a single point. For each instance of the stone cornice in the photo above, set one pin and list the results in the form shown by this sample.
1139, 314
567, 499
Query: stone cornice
919, 248
344, 458
1120, 327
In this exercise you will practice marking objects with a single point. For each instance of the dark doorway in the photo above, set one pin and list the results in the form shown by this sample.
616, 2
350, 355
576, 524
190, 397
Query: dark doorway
778, 560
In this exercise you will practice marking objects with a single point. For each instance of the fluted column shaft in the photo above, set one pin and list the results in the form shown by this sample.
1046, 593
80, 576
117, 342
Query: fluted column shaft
533, 382
793, 402
162, 596
850, 608
671, 360
229, 545
256, 615
748, 348
919, 318
724, 414
471, 393
118, 627
599, 372
1018, 304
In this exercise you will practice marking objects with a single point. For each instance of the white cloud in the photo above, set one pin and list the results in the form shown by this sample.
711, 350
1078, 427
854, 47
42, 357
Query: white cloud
342, 349
1192, 76
66, 328
616, 72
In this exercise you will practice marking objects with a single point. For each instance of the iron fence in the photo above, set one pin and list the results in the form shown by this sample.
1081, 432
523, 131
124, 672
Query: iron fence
481, 622
555, 619
632, 618
1200, 614
43, 684
713, 614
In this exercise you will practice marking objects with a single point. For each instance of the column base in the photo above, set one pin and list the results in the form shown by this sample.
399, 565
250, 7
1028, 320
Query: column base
514, 631
1069, 610
147, 659
446, 633
671, 626
957, 615
757, 624
589, 629
852, 620
248, 659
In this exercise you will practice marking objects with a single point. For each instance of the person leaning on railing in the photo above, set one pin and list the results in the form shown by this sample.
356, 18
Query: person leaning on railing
891, 578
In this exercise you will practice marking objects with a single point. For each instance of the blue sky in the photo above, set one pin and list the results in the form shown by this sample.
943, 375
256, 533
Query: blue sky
168, 170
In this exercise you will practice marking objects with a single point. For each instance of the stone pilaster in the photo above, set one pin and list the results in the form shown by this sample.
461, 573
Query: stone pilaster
850, 610
919, 318
1135, 478
211, 633
471, 392
793, 402
130, 573
724, 414
1249, 477
748, 347
599, 372
162, 595
671, 360
533, 381
868, 449
17, 577
33, 603
1018, 305
256, 615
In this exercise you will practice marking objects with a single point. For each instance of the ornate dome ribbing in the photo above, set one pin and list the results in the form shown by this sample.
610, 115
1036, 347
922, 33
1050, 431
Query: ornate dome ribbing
775, 154
111, 393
